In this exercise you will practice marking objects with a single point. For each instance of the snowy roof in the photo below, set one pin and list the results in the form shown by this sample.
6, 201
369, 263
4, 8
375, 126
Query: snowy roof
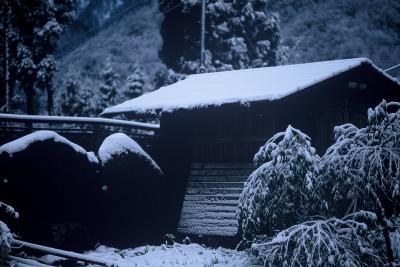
238, 86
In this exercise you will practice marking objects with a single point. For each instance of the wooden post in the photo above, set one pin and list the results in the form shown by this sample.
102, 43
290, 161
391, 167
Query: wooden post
202, 45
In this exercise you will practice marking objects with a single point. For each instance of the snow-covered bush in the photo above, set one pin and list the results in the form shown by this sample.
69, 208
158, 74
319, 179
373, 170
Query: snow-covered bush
361, 170
395, 239
119, 146
132, 192
6, 240
50, 180
277, 194
330, 242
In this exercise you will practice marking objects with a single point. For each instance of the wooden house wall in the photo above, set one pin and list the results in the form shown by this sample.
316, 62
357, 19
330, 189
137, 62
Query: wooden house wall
234, 132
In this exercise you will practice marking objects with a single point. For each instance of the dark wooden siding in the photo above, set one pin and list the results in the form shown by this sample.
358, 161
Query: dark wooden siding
211, 198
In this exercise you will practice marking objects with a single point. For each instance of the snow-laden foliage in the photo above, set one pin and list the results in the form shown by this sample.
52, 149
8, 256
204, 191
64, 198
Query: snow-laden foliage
6, 237
240, 34
133, 37
395, 238
6, 240
75, 100
361, 170
31, 30
277, 194
135, 84
330, 242
108, 90
9, 210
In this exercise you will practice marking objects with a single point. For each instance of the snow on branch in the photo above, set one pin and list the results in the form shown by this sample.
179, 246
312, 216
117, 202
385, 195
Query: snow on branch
365, 163
277, 194
330, 242
9, 210
6, 240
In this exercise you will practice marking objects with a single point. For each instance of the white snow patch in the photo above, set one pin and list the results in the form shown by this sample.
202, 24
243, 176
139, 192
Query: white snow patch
239, 86
24, 142
120, 143
177, 255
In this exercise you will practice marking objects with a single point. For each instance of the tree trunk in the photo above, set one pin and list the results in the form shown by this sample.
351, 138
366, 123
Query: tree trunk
29, 99
382, 220
6, 56
50, 101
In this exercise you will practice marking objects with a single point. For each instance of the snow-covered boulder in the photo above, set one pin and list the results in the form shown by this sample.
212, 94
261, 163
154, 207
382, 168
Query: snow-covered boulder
49, 180
132, 182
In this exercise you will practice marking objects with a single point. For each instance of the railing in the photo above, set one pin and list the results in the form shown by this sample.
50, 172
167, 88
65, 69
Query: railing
76, 120
86, 131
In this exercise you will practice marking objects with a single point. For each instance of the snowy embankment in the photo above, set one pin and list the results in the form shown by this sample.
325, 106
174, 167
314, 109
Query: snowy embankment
177, 255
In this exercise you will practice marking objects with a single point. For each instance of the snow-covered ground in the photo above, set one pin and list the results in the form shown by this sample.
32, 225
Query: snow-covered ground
177, 255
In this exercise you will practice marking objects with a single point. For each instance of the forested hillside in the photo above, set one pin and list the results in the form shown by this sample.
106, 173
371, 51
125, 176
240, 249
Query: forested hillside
118, 49
99, 68
330, 29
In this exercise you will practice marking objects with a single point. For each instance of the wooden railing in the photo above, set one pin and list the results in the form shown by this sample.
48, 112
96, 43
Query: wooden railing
85, 131
76, 120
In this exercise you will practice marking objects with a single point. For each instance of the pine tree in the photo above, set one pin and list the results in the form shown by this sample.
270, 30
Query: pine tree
31, 31
239, 34
166, 77
108, 90
135, 84
69, 98
76, 100
277, 195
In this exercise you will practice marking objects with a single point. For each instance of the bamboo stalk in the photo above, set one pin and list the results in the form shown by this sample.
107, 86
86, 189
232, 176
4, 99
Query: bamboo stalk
27, 262
15, 264
66, 254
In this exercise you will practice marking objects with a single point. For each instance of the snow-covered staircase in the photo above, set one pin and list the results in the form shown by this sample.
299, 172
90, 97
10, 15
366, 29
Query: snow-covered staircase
211, 197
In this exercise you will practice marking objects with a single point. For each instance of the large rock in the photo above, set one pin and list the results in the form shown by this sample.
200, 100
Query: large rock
132, 183
50, 181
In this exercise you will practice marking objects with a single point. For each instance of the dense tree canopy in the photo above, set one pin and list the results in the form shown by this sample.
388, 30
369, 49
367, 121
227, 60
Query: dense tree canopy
239, 34
30, 31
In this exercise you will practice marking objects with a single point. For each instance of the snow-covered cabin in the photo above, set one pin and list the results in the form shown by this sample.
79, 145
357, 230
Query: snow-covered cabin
212, 124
